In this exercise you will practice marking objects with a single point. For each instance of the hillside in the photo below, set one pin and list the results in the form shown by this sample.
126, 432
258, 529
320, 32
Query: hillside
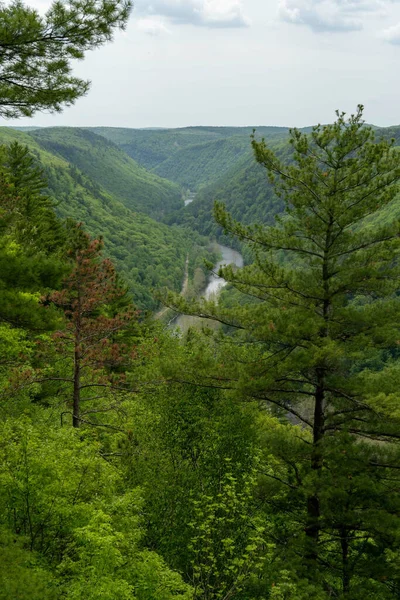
112, 169
151, 147
244, 189
249, 197
191, 156
147, 253
197, 165
246, 193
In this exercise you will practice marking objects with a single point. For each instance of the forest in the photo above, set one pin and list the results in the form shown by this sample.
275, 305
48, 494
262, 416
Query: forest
252, 457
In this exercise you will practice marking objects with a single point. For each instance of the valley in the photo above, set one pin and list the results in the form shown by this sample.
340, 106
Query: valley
199, 325
199, 363
150, 193
229, 256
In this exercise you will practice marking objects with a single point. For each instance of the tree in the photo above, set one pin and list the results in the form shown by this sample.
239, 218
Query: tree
191, 452
227, 542
72, 532
97, 310
36, 51
317, 342
31, 241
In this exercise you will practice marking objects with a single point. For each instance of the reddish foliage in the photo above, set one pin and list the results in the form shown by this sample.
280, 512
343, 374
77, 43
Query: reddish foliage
89, 294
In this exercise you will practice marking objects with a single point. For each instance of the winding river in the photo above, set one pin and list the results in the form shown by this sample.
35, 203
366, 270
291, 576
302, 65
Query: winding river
214, 286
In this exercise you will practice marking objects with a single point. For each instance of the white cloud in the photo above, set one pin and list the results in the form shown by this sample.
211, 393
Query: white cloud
202, 13
152, 26
330, 15
391, 34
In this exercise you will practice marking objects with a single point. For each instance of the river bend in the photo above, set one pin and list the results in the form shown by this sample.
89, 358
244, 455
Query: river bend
214, 286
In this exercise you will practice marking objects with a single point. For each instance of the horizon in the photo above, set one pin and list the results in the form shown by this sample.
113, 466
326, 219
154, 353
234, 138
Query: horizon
227, 62
205, 126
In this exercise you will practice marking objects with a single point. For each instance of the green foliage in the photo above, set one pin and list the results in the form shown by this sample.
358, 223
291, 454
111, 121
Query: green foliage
70, 526
70, 511
196, 166
95, 562
227, 542
36, 51
21, 574
185, 444
30, 244
319, 334
148, 254
257, 461
151, 147
245, 193
289, 588
190, 156
243, 190
154, 581
43, 499
112, 170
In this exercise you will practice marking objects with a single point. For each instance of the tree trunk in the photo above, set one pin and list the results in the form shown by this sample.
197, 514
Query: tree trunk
345, 561
77, 391
313, 504
77, 370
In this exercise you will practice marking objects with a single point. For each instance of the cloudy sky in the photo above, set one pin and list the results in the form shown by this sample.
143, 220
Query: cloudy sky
242, 62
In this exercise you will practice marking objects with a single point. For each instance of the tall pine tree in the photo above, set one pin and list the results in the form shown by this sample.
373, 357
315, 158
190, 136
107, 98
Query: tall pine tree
317, 344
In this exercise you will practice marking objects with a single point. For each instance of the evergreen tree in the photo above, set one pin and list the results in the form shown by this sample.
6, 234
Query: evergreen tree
31, 241
315, 343
96, 308
36, 51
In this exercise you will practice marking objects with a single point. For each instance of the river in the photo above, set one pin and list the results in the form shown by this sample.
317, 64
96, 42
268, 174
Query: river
214, 286
190, 198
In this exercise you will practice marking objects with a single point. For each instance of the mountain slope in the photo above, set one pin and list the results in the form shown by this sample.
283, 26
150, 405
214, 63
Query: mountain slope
248, 194
191, 156
245, 190
152, 147
201, 164
147, 253
112, 169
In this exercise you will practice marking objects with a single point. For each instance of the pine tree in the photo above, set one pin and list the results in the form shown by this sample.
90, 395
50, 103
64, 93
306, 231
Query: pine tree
36, 51
32, 240
318, 342
97, 310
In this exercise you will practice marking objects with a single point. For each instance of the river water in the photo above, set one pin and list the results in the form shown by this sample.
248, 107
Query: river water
214, 287
190, 198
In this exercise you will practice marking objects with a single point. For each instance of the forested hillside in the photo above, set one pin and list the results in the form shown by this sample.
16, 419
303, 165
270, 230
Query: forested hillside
150, 147
257, 460
315, 343
253, 454
244, 189
191, 156
247, 193
148, 254
254, 459
196, 166
249, 461
112, 169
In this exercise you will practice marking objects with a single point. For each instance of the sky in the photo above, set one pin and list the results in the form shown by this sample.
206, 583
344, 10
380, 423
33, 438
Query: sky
241, 62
